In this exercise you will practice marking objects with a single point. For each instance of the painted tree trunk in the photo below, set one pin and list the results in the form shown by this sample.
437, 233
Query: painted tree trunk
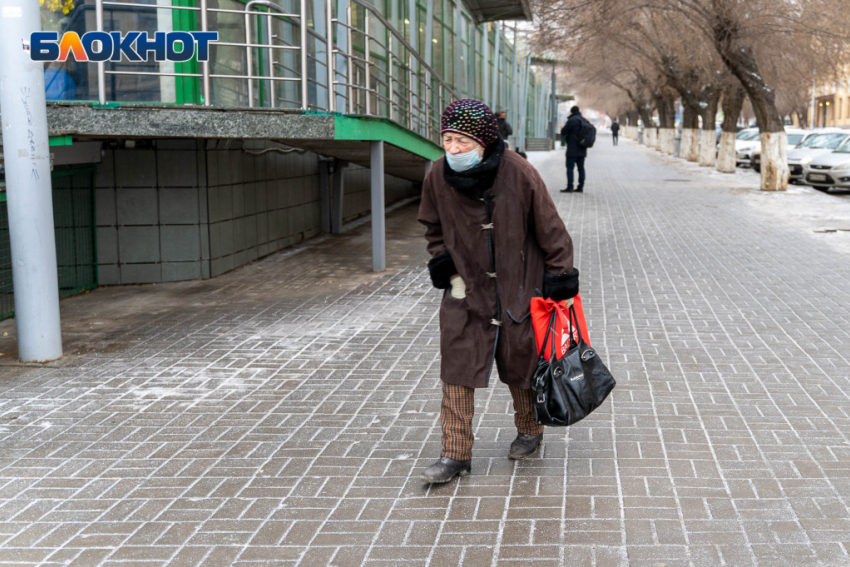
693, 153
733, 100
694, 157
726, 155
650, 137
667, 140
708, 134
707, 148
742, 63
689, 147
685, 143
774, 161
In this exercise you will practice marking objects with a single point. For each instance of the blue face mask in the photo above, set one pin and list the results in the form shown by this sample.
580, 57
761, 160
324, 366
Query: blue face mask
463, 161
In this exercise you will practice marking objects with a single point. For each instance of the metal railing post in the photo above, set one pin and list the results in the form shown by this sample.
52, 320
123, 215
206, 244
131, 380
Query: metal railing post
368, 65
271, 59
331, 74
410, 91
391, 85
101, 65
305, 102
205, 65
350, 62
249, 57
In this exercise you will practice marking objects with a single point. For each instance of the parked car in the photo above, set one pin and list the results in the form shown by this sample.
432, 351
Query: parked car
745, 142
795, 136
823, 142
829, 170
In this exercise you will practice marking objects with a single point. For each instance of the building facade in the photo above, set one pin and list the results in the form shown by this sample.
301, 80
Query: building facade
188, 170
832, 104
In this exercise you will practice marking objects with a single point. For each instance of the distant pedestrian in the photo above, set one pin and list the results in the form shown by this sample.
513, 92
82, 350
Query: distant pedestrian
485, 208
505, 129
575, 151
615, 129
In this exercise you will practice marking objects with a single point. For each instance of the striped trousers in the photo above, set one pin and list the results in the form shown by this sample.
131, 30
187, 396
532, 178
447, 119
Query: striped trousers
456, 418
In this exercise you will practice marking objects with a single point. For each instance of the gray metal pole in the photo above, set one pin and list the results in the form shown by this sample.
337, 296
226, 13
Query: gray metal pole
429, 34
379, 253
205, 65
485, 67
497, 76
513, 101
522, 103
429, 86
814, 87
553, 107
28, 191
101, 65
305, 101
331, 63
414, 108
459, 87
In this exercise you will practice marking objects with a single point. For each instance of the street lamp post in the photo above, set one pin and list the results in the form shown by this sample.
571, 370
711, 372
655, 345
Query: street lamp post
29, 199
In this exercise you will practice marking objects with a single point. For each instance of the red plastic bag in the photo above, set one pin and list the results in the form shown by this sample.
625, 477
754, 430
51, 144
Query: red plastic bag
541, 313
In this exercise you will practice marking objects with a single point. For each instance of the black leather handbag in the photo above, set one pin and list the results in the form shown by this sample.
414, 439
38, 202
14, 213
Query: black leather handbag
568, 389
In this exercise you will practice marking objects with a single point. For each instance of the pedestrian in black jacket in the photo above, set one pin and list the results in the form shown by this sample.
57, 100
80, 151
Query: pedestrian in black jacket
575, 153
505, 129
615, 131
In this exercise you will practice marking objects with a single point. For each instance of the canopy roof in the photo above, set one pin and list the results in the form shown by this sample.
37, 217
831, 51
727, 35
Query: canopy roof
495, 10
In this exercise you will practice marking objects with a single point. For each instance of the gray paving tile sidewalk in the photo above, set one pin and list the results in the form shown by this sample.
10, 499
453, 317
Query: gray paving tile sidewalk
279, 414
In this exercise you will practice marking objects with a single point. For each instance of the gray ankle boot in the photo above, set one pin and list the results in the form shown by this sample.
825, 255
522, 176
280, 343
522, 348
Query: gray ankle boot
525, 446
446, 469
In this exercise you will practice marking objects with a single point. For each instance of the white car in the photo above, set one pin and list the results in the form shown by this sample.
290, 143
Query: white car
822, 142
829, 170
745, 142
795, 137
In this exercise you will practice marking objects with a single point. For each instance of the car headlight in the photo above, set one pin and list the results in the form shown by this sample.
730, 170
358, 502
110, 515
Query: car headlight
842, 166
806, 160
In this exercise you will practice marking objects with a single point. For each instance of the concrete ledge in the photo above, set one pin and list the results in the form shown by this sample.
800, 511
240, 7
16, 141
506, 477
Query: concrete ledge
144, 121
342, 137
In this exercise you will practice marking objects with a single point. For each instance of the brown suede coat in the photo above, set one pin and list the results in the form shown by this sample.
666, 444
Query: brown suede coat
529, 238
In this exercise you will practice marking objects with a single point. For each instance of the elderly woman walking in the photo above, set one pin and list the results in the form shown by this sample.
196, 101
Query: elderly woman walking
494, 237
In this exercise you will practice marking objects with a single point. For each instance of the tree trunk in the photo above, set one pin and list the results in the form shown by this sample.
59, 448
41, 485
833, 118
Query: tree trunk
802, 116
650, 136
634, 116
775, 172
665, 103
645, 114
708, 136
742, 64
642, 110
733, 101
689, 147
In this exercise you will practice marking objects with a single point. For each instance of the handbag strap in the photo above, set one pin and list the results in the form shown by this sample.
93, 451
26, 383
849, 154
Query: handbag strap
574, 324
549, 329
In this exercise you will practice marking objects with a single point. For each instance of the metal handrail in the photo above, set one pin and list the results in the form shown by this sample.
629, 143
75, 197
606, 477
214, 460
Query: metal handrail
400, 38
404, 88
404, 92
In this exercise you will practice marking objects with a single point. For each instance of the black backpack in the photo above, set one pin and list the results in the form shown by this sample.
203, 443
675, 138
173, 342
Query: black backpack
586, 134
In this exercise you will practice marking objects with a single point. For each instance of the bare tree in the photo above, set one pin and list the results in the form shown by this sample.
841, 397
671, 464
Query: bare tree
750, 37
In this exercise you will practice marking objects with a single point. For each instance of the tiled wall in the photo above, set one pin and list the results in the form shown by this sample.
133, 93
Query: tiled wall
186, 209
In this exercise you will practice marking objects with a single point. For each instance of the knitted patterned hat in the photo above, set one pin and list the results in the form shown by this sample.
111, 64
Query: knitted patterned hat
471, 118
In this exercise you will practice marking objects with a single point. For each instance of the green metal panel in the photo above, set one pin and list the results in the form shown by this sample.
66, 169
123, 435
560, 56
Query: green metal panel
60, 141
378, 129
76, 248
186, 88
